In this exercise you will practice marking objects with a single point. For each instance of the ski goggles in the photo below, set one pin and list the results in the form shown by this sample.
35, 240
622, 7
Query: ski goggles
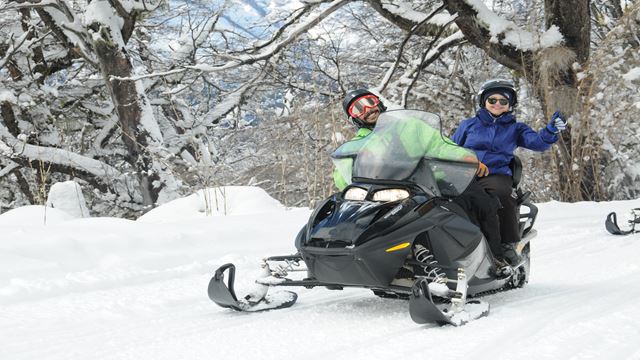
364, 104
502, 102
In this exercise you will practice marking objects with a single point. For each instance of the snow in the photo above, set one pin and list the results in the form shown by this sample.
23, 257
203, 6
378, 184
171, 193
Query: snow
107, 288
7, 96
67, 196
633, 74
101, 12
227, 200
404, 9
521, 39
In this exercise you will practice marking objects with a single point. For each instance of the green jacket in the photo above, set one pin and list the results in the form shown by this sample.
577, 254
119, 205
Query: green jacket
416, 140
338, 177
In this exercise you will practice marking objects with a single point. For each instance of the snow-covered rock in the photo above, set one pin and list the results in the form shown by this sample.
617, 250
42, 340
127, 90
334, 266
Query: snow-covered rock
67, 196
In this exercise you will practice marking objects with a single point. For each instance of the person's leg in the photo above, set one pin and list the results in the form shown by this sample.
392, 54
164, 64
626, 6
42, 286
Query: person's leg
482, 209
501, 186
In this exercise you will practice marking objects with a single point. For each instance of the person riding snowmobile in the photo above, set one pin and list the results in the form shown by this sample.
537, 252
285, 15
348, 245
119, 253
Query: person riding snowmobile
493, 133
363, 107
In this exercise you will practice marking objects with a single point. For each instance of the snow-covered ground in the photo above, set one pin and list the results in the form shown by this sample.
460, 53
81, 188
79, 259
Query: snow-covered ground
106, 288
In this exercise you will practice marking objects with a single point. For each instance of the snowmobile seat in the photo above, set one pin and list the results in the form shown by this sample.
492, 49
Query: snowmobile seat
516, 170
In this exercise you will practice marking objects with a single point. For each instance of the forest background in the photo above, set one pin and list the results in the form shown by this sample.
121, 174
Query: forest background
142, 102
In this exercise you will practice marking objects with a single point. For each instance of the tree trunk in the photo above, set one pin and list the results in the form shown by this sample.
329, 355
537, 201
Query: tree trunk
129, 106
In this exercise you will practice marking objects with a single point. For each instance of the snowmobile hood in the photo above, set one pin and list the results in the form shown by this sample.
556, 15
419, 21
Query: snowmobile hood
346, 223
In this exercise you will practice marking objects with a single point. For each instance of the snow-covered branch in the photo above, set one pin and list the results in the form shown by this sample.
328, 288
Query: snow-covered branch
277, 46
19, 149
502, 39
14, 45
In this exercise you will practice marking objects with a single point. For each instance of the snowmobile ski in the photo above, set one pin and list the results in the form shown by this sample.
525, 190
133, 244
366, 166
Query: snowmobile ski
224, 294
423, 309
611, 224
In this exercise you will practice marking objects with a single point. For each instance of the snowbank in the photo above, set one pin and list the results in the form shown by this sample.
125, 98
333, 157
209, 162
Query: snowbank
226, 200
33, 215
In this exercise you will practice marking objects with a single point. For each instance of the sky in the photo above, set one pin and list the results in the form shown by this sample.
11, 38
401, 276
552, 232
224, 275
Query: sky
108, 288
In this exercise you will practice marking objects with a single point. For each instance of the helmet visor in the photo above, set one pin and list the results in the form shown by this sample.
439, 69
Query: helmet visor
364, 104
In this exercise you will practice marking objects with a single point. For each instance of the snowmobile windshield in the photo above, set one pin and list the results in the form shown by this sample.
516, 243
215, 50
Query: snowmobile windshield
405, 146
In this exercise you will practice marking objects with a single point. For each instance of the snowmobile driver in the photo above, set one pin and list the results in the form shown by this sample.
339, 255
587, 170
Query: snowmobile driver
363, 108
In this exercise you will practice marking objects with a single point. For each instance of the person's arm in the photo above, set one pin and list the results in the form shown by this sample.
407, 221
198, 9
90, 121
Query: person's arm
342, 166
423, 140
339, 180
536, 141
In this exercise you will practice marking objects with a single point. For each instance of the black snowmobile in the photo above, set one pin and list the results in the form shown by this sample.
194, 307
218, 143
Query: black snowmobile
394, 230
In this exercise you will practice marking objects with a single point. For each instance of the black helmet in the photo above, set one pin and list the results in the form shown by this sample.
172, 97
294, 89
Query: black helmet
498, 85
354, 95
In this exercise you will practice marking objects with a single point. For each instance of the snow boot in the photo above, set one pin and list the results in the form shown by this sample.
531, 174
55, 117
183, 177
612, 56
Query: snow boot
511, 254
503, 269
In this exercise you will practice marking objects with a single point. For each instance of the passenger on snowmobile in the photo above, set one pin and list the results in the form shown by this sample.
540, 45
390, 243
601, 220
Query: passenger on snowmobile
494, 134
363, 108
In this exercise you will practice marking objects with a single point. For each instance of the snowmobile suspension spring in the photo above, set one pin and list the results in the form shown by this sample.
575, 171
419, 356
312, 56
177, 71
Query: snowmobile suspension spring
431, 266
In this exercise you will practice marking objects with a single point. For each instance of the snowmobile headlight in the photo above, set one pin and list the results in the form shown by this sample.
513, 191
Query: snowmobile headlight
355, 194
390, 195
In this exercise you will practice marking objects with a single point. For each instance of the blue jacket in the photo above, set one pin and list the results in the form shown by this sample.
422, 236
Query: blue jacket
495, 139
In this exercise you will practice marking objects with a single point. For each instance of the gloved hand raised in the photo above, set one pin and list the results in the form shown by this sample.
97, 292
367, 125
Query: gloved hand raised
557, 123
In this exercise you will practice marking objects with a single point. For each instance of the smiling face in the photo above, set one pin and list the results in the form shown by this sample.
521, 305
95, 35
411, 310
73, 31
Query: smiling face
497, 104
371, 116
366, 109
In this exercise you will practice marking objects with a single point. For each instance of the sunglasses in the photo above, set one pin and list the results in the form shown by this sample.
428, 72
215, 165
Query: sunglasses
363, 105
501, 101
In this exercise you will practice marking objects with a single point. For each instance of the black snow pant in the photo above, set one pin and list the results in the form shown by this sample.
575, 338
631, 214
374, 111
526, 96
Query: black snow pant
501, 186
482, 209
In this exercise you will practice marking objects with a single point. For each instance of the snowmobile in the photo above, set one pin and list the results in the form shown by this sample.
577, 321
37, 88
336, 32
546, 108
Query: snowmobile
394, 230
